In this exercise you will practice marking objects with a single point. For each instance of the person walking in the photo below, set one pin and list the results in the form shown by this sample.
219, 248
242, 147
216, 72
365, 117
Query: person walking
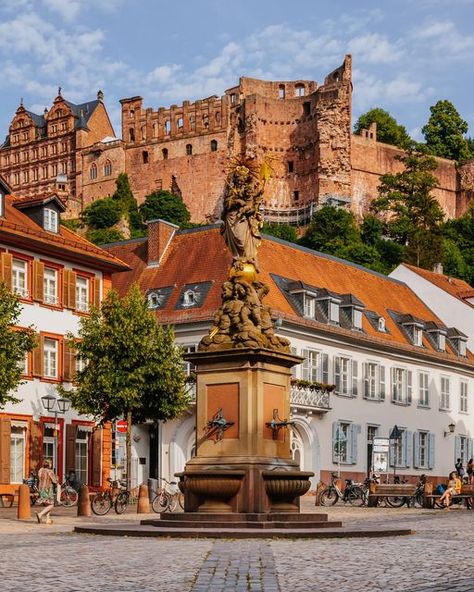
459, 468
46, 481
470, 470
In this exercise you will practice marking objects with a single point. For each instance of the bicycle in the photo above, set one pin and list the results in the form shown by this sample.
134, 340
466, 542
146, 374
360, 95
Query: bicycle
32, 483
68, 496
103, 501
353, 493
168, 498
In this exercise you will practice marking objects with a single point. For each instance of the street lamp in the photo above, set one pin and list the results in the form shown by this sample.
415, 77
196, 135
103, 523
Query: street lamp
451, 428
395, 435
51, 403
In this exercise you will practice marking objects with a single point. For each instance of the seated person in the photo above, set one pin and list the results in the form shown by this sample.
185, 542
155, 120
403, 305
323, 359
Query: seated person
454, 488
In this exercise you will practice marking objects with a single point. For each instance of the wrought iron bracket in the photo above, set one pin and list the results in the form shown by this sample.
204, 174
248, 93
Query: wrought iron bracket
277, 424
216, 426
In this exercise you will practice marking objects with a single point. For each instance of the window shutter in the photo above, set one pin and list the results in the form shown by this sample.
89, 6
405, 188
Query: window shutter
5, 435
355, 431
365, 378
382, 382
35, 446
457, 448
97, 298
305, 368
409, 386
355, 378
69, 367
325, 368
408, 448
37, 358
416, 450
469, 448
65, 287
294, 351
71, 431
72, 290
6, 264
96, 442
335, 458
431, 451
337, 373
391, 453
393, 383
37, 283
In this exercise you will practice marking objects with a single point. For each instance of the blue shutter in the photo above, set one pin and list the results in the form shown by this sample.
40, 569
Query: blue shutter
432, 444
305, 367
409, 386
382, 382
325, 368
294, 351
393, 383
355, 431
416, 450
391, 453
407, 448
335, 425
355, 378
337, 373
365, 379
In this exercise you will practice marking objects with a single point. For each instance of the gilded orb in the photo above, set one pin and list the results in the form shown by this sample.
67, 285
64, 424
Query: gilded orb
247, 272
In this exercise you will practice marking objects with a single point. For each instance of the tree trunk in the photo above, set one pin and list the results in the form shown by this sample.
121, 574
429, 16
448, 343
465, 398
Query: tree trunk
129, 450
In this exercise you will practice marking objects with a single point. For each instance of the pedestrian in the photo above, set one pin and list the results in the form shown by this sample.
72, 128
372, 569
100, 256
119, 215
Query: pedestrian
459, 468
470, 470
46, 481
454, 488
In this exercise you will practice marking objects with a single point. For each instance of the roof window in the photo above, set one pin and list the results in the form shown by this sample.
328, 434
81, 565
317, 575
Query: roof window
437, 335
458, 341
50, 220
352, 308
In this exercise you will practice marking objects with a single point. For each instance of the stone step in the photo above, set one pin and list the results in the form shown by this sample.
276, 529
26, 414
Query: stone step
295, 525
243, 517
134, 530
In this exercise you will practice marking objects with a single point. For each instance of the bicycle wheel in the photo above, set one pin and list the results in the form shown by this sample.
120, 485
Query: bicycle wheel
181, 500
121, 502
160, 503
68, 497
356, 497
417, 500
395, 501
329, 497
101, 503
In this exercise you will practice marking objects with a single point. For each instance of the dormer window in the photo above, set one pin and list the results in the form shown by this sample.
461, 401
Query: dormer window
437, 335
417, 336
381, 325
50, 220
309, 303
330, 308
189, 298
154, 300
352, 309
458, 341
414, 328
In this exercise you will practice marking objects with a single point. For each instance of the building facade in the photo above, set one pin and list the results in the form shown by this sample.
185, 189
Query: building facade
391, 359
301, 129
57, 276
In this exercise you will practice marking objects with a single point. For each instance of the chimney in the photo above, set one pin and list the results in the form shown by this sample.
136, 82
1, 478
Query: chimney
438, 268
160, 234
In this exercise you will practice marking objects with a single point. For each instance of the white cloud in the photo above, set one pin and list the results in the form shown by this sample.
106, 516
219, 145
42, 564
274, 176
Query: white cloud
162, 74
68, 9
373, 48
444, 40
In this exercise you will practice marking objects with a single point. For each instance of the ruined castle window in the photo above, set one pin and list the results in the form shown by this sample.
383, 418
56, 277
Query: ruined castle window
291, 166
63, 146
35, 174
93, 171
281, 91
54, 168
296, 195
143, 133
25, 135
299, 90
54, 149
131, 134
25, 177
64, 126
192, 122
131, 113
213, 145
145, 157
59, 113
154, 130
16, 178
44, 151
64, 168
107, 168
307, 108
165, 153
218, 117
233, 98
180, 122
16, 158
205, 120
189, 149
167, 127
45, 172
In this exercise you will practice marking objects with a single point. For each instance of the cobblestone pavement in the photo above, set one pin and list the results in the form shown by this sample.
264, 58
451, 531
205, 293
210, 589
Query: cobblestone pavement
437, 558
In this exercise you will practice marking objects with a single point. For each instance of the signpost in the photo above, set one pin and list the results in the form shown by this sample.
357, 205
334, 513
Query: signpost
395, 435
380, 451
121, 426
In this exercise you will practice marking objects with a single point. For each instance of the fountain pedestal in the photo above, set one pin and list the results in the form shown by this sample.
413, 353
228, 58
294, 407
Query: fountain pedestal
243, 461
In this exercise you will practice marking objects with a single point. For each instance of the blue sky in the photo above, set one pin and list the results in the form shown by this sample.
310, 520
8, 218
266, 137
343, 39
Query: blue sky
406, 54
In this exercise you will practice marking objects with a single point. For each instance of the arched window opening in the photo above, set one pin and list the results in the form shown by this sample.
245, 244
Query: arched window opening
281, 91
131, 134
299, 90
213, 145
205, 121
189, 298
145, 157
218, 117
180, 123
93, 171
107, 168
165, 153
189, 149
192, 122
167, 127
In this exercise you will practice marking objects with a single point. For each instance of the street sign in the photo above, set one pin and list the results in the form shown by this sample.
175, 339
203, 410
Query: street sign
121, 426
381, 444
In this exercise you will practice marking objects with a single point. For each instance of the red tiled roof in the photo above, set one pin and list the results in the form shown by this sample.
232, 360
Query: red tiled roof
201, 255
17, 229
454, 286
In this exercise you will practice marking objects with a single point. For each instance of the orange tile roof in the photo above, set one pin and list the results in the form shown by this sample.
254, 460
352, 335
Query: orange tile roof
201, 255
454, 286
17, 229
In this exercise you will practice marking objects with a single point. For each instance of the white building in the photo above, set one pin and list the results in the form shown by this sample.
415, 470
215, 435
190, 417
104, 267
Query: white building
58, 275
391, 359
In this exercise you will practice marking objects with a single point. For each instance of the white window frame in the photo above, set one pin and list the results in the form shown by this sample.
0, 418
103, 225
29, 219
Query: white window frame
423, 449
423, 389
343, 378
50, 285
82, 474
82, 293
20, 277
445, 393
50, 220
371, 377
345, 427
310, 370
463, 396
399, 384
309, 306
50, 358
17, 470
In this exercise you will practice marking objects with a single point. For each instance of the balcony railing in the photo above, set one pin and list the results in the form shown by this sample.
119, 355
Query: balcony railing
310, 399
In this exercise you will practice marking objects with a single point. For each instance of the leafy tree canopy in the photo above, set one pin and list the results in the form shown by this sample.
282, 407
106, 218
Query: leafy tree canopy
445, 133
123, 193
388, 129
283, 231
103, 236
102, 213
331, 228
166, 206
14, 345
132, 364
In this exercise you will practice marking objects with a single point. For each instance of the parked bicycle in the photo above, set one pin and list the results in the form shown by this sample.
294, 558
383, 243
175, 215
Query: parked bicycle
103, 501
68, 495
32, 483
353, 493
167, 498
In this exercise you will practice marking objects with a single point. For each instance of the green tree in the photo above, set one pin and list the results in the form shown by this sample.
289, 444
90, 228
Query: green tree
413, 216
460, 233
388, 129
166, 206
103, 236
14, 345
445, 132
123, 193
102, 213
330, 229
132, 367
283, 231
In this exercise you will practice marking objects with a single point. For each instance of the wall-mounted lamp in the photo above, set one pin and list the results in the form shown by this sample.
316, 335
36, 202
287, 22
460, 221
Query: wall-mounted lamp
451, 428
